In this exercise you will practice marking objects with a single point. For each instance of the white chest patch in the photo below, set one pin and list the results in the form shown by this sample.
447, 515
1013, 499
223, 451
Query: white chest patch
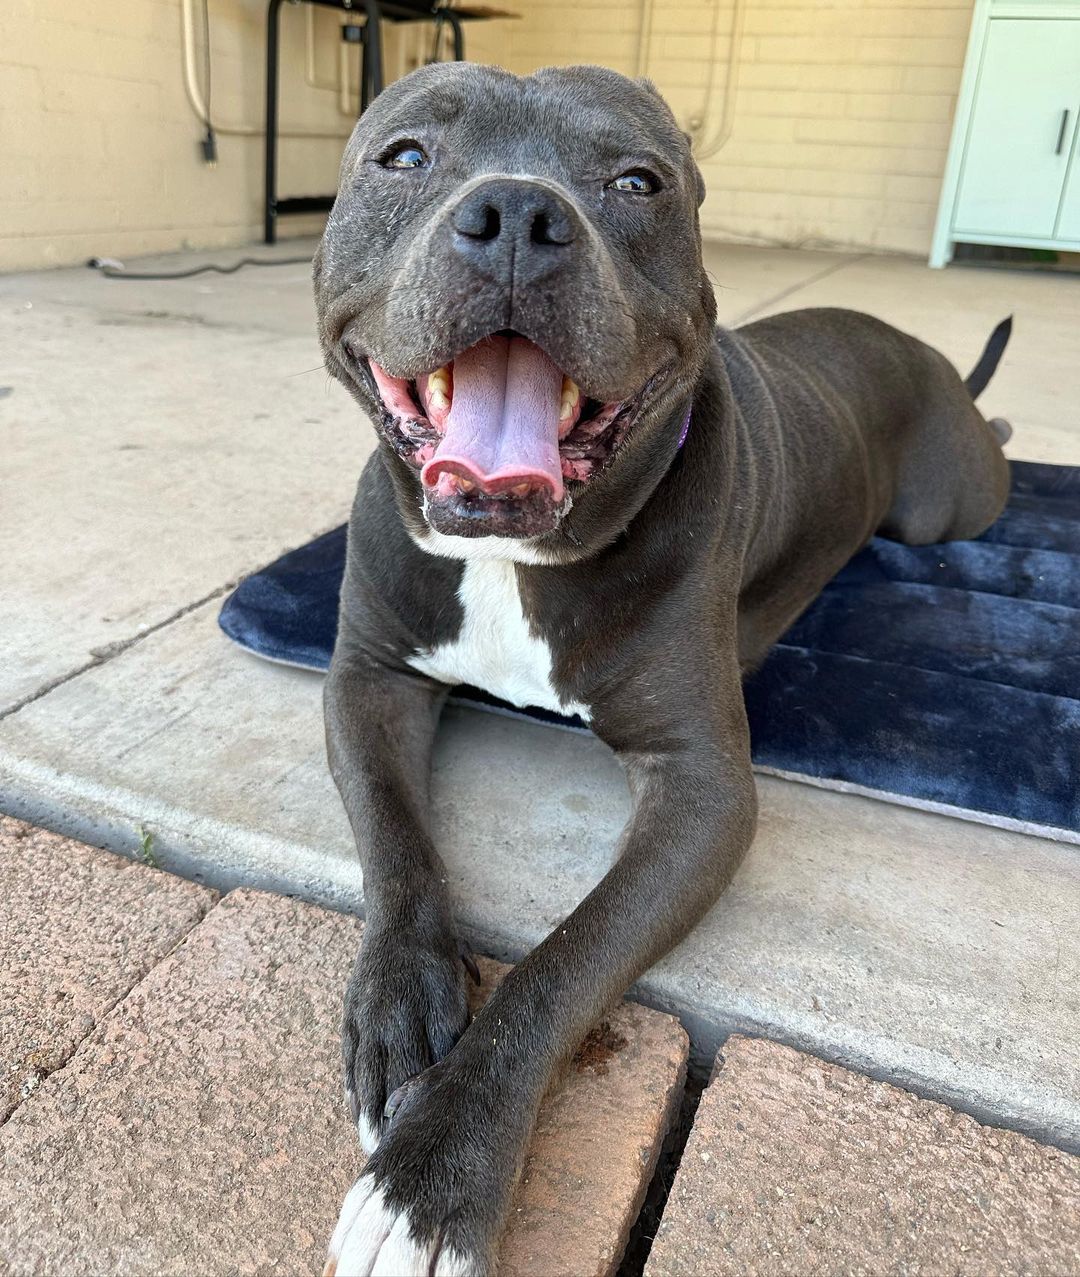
495, 650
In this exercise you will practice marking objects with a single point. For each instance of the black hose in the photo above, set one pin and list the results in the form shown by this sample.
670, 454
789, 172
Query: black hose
117, 271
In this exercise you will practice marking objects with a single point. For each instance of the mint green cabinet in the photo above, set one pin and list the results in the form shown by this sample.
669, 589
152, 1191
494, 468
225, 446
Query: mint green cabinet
1013, 175
1022, 128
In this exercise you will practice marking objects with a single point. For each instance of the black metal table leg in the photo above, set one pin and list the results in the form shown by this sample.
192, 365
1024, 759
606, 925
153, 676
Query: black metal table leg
373, 48
459, 39
270, 192
365, 71
371, 84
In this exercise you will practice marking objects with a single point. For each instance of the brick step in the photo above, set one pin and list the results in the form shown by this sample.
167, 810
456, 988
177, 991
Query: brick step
200, 1127
78, 928
794, 1165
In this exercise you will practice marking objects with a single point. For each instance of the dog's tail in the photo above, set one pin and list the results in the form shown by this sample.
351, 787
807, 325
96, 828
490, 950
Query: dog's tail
979, 378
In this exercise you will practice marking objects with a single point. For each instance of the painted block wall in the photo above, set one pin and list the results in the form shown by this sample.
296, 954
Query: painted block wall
842, 113
99, 147
838, 135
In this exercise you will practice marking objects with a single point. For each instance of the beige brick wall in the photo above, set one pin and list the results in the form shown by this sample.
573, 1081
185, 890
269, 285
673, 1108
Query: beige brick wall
840, 127
99, 145
842, 115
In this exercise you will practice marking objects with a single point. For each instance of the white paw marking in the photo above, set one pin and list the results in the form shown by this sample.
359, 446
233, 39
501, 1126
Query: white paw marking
495, 649
401, 1255
368, 1131
371, 1240
452, 1263
369, 1134
362, 1227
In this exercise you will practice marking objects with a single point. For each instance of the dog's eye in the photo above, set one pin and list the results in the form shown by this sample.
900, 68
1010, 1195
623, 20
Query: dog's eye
408, 155
636, 182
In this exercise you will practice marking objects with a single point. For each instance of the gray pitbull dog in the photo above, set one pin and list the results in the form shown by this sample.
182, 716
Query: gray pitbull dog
511, 286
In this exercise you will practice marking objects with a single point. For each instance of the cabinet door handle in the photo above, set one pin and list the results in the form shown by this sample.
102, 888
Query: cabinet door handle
1061, 132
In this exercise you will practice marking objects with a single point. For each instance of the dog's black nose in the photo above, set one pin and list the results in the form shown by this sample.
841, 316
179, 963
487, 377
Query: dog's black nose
508, 224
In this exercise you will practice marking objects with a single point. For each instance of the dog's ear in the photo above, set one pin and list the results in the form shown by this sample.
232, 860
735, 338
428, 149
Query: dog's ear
697, 171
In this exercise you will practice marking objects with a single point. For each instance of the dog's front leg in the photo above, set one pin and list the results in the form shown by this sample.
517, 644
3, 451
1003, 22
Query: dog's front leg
406, 1003
434, 1194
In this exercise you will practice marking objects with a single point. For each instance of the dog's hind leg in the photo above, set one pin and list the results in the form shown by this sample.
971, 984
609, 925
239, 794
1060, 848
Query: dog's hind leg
952, 480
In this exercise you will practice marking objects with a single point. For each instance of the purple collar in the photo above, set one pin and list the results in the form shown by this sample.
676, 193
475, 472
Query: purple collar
685, 426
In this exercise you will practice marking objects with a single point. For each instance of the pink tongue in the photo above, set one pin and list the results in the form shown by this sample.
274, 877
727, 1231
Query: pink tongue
503, 425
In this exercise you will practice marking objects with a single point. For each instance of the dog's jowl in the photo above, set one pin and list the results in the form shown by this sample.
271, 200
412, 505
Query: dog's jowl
585, 497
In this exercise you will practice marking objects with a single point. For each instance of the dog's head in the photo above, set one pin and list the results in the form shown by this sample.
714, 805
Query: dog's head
511, 285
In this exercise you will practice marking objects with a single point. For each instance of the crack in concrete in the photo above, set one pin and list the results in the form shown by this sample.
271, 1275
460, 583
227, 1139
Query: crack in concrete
792, 289
102, 655
46, 1070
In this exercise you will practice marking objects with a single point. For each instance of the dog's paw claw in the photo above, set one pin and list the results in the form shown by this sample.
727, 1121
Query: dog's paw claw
469, 962
398, 1098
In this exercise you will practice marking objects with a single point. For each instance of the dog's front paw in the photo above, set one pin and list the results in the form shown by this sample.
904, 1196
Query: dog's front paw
433, 1196
405, 1007
375, 1239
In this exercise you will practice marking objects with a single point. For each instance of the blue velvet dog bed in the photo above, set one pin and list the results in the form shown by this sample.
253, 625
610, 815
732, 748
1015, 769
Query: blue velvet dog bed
944, 677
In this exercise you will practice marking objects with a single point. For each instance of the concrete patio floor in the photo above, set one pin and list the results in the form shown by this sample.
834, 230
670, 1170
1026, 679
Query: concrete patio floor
161, 440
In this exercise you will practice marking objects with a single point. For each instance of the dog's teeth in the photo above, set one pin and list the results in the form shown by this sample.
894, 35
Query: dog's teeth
438, 389
466, 485
521, 489
570, 393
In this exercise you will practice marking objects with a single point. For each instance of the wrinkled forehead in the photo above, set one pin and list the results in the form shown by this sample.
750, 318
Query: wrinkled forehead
572, 115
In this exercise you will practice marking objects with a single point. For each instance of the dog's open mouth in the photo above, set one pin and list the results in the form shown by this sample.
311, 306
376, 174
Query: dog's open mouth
497, 434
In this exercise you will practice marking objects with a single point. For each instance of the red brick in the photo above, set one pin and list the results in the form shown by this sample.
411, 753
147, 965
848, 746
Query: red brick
202, 1128
798, 1166
78, 928
595, 1147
